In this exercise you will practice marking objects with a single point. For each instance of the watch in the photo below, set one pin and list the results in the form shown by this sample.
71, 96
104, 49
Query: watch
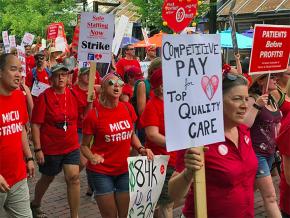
29, 159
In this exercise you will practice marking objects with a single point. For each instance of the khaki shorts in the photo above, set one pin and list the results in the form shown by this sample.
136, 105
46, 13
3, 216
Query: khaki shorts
16, 203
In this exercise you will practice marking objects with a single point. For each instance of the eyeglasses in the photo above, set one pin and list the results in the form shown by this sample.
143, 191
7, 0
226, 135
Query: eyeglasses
118, 81
58, 75
266, 75
233, 77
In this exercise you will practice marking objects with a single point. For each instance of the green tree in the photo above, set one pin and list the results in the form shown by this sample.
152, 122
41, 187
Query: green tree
20, 16
151, 13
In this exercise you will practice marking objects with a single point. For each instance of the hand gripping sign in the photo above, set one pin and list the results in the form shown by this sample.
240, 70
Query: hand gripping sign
178, 13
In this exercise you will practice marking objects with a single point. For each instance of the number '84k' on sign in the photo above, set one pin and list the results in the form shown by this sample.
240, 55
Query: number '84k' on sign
146, 179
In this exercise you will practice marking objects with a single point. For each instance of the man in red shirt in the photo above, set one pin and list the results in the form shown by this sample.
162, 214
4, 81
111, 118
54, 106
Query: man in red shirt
39, 73
128, 61
14, 193
29, 58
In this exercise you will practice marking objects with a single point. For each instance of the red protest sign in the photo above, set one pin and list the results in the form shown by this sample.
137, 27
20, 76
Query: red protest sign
178, 14
53, 30
270, 52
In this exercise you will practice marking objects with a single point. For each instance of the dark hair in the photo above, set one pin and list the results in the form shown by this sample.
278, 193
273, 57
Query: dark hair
3, 60
228, 84
126, 47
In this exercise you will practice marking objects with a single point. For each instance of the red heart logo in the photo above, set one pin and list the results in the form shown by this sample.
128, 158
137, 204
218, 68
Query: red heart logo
178, 13
210, 85
98, 56
162, 169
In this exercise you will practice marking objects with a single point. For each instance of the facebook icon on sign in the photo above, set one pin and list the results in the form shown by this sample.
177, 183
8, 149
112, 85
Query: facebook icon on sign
91, 56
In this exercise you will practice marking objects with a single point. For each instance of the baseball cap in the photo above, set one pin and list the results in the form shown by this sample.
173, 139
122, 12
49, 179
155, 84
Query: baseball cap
58, 67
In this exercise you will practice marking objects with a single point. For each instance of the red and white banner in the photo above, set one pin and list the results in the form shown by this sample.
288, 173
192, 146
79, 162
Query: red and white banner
178, 14
270, 52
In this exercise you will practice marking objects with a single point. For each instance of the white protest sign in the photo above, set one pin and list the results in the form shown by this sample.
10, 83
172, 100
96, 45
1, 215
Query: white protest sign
83, 64
145, 36
43, 45
21, 57
144, 67
129, 29
6, 41
27, 39
119, 33
12, 41
38, 88
192, 87
60, 43
95, 38
146, 179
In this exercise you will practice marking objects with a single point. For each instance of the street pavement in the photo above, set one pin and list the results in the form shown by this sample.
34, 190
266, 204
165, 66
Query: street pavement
55, 202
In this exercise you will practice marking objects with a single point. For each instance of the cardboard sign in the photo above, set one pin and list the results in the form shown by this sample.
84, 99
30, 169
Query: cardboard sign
12, 41
178, 14
146, 179
21, 57
95, 38
38, 88
27, 39
192, 87
129, 29
119, 33
271, 49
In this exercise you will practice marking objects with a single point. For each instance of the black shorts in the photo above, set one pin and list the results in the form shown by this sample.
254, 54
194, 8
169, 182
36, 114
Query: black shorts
53, 164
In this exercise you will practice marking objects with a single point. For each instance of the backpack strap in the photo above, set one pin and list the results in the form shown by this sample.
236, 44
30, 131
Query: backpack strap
34, 73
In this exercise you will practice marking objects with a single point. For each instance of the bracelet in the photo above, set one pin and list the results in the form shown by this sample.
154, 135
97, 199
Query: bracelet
185, 177
29, 159
138, 149
37, 150
257, 107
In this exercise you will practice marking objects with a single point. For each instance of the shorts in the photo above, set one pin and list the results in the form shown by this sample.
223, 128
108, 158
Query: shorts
264, 165
53, 164
164, 197
102, 184
16, 203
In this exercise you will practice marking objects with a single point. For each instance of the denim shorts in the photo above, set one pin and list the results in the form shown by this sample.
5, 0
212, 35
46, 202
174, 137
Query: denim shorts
53, 164
102, 184
264, 165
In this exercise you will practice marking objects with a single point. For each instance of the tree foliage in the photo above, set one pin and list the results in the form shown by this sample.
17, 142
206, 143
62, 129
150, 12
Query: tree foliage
151, 13
20, 16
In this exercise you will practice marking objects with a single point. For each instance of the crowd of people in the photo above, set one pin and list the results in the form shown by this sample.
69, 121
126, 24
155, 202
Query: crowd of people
47, 107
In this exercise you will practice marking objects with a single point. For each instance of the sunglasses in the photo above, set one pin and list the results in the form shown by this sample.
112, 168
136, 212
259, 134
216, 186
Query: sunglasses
118, 81
39, 57
130, 48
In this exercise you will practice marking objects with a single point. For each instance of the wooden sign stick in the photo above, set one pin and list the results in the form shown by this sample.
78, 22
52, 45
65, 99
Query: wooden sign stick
199, 186
92, 77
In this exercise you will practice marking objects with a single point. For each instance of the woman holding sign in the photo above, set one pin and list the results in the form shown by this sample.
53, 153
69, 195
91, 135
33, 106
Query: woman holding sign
264, 119
230, 166
111, 123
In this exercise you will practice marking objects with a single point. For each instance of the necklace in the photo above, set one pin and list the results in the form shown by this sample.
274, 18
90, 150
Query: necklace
65, 116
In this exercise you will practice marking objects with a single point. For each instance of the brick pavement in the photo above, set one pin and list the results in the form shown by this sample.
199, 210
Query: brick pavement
55, 202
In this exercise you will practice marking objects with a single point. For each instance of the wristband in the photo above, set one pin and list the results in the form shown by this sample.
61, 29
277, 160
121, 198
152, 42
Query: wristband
140, 148
257, 107
29, 159
37, 150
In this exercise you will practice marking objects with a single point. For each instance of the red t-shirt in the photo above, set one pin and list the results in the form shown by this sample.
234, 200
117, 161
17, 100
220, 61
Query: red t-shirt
127, 90
230, 176
13, 115
284, 148
153, 115
112, 130
42, 76
30, 62
51, 111
124, 64
81, 96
